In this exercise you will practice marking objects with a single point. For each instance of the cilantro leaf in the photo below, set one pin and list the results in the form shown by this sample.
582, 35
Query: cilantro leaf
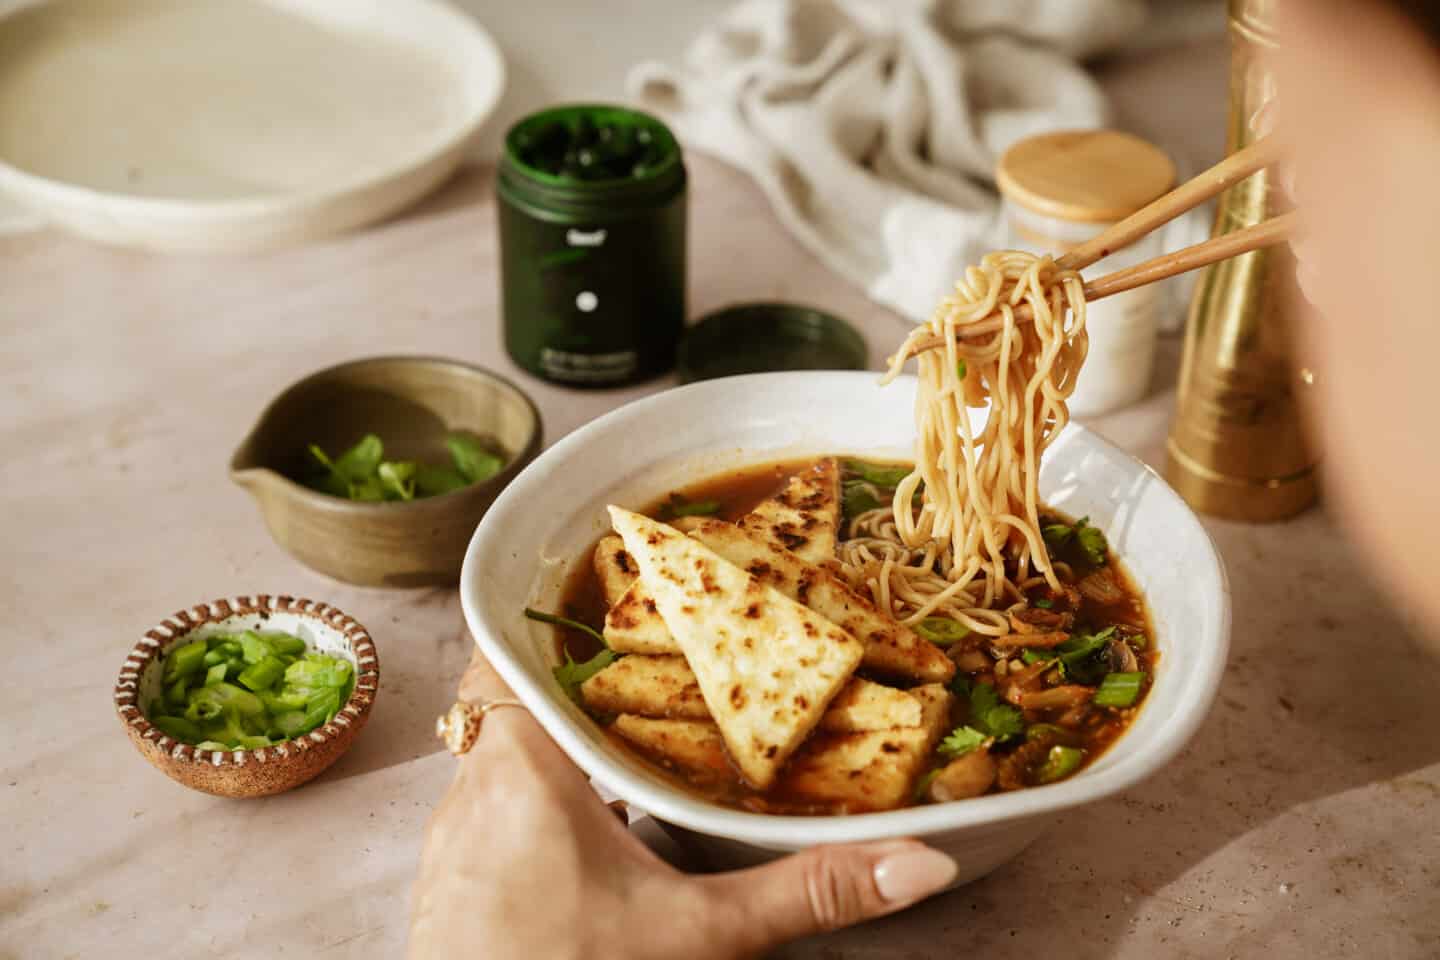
961, 741
397, 477
472, 461
992, 717
571, 674
431, 480
360, 461
1081, 656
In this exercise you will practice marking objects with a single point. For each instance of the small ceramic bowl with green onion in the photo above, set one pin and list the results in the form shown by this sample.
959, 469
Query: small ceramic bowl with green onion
375, 472
248, 696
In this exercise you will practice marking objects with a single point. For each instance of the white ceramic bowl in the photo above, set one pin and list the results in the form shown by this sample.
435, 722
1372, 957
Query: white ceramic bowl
552, 512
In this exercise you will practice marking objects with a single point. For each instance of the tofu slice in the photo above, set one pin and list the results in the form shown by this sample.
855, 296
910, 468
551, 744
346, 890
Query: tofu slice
804, 518
767, 666
614, 568
665, 687
694, 746
635, 625
862, 772
863, 705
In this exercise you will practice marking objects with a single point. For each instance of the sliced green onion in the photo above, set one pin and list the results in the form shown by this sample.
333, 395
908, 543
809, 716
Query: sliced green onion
571, 674
1044, 603
321, 709
941, 631
1119, 689
179, 728
858, 497
262, 675
185, 660
1032, 655
208, 704
286, 644
694, 508
557, 621
291, 723
1059, 763
254, 647
882, 475
960, 369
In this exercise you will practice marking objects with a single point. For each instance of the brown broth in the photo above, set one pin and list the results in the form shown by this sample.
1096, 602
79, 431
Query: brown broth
737, 493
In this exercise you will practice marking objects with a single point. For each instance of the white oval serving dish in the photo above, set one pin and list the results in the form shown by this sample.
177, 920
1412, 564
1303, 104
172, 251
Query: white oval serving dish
213, 125
555, 509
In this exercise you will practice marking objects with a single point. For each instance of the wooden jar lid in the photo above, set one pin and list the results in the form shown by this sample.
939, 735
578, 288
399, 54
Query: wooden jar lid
1085, 176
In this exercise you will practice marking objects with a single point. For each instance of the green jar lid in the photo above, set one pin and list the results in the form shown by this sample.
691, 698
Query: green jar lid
763, 337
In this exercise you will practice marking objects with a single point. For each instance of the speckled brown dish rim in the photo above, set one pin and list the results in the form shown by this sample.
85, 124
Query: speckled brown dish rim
183, 622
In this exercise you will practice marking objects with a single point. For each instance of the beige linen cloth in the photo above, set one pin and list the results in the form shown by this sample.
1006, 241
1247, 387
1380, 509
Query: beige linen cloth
874, 125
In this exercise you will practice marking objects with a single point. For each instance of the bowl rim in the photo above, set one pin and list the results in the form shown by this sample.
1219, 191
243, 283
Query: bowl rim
184, 622
673, 805
324, 501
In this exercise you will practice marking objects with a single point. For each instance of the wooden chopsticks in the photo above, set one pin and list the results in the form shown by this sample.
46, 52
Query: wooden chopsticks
1191, 193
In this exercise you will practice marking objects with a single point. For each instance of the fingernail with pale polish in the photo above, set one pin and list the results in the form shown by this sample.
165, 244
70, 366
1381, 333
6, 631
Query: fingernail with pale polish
911, 874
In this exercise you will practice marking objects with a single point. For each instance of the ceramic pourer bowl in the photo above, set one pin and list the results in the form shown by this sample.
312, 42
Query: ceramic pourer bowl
267, 770
412, 404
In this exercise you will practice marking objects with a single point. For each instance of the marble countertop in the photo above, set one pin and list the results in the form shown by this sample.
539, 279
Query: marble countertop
1304, 820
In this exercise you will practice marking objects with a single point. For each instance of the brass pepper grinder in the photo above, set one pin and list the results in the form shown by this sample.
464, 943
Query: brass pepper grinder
1236, 448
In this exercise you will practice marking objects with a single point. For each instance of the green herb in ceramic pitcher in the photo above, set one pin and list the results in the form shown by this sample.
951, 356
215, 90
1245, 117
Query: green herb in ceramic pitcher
363, 473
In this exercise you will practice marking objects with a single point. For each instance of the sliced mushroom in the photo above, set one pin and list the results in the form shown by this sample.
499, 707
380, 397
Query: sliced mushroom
1023, 681
970, 661
1054, 698
963, 777
1121, 657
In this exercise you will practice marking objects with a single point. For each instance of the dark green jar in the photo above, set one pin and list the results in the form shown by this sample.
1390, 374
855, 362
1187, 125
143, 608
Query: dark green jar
592, 245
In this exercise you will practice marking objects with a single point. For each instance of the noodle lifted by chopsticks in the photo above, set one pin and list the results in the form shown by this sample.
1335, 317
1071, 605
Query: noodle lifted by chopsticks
979, 505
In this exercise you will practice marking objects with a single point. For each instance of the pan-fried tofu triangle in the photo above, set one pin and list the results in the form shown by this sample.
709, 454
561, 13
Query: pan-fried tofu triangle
804, 517
634, 625
767, 666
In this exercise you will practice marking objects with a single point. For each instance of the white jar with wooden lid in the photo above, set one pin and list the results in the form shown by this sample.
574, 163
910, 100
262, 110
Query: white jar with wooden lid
1060, 189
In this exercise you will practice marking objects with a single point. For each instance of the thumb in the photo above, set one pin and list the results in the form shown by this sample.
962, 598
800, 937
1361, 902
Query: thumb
824, 888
